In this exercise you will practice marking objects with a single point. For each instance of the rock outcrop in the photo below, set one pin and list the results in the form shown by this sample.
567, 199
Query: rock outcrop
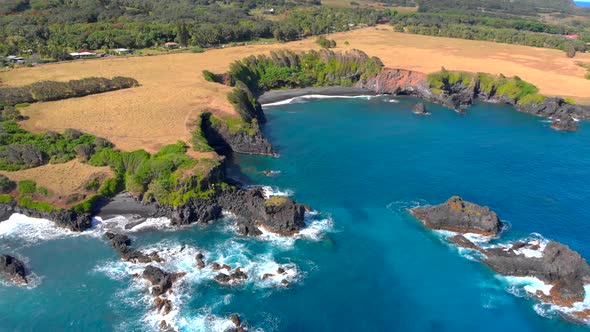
121, 243
12, 270
253, 210
420, 109
460, 216
221, 137
566, 124
559, 266
160, 280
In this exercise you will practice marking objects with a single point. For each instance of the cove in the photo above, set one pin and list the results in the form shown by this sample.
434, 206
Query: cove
367, 265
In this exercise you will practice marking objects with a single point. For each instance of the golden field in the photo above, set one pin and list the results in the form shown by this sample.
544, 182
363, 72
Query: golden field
173, 91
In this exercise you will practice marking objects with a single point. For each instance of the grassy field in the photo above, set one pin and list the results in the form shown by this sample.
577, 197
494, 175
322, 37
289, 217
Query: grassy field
173, 91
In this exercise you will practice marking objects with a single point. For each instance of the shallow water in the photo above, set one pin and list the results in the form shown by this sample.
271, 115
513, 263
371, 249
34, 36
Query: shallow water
365, 264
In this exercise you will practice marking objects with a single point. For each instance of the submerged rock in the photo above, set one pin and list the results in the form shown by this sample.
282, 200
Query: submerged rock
565, 124
459, 216
12, 270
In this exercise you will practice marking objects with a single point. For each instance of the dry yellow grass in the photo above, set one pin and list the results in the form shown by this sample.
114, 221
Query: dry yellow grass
61, 179
173, 91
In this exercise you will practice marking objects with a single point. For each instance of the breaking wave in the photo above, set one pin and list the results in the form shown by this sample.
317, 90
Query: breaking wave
306, 98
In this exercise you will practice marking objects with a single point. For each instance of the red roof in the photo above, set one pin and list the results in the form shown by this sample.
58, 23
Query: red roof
572, 36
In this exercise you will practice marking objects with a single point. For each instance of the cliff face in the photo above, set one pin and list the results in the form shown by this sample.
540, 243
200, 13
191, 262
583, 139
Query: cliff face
406, 82
220, 136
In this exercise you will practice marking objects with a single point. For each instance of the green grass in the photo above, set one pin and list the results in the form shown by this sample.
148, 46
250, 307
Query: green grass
28, 202
22, 105
26, 187
585, 66
5, 199
569, 101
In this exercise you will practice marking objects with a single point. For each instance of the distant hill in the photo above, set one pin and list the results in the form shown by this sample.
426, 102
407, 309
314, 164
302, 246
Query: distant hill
518, 7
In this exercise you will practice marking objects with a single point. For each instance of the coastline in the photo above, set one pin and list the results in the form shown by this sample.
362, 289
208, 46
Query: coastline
275, 96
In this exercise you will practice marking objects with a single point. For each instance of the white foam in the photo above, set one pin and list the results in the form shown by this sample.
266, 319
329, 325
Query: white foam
301, 99
314, 230
119, 224
32, 230
529, 284
269, 191
395, 101
180, 258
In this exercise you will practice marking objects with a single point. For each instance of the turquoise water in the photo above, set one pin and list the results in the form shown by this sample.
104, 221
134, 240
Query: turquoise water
582, 3
369, 266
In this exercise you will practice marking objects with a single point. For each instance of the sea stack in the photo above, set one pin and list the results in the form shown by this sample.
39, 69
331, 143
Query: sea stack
460, 216
420, 109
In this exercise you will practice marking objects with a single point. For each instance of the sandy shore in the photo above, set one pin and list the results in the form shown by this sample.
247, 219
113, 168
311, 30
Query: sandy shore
281, 95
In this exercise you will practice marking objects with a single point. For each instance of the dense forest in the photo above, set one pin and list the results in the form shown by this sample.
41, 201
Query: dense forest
51, 28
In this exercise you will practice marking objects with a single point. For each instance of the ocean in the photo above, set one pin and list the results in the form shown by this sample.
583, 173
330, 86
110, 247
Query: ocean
582, 3
363, 263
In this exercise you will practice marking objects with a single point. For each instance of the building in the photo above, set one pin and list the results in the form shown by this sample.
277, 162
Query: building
122, 51
83, 54
15, 59
171, 44
572, 36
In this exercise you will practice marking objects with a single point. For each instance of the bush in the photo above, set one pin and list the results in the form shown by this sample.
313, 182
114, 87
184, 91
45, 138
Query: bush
325, 43
11, 113
26, 187
6, 185
92, 185
22, 105
198, 139
112, 187
197, 49
43, 191
5, 199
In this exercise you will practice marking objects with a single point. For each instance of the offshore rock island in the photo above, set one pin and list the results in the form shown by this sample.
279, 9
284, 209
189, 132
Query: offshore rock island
564, 270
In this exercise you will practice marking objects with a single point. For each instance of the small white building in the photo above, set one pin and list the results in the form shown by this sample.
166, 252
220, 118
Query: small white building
15, 59
83, 54
122, 51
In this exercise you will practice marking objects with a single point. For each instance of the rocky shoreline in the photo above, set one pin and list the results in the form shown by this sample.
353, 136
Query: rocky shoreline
562, 269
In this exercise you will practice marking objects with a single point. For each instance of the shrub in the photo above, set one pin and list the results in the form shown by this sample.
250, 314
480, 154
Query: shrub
92, 185
22, 105
26, 187
325, 43
86, 206
6, 185
197, 49
112, 187
43, 191
52, 90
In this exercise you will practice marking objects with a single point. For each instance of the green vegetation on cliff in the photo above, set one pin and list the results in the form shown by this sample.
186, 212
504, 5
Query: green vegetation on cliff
286, 69
169, 177
512, 88
51, 90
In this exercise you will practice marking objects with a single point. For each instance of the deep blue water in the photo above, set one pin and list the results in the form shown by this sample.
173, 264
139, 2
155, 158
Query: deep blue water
360, 163
582, 4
